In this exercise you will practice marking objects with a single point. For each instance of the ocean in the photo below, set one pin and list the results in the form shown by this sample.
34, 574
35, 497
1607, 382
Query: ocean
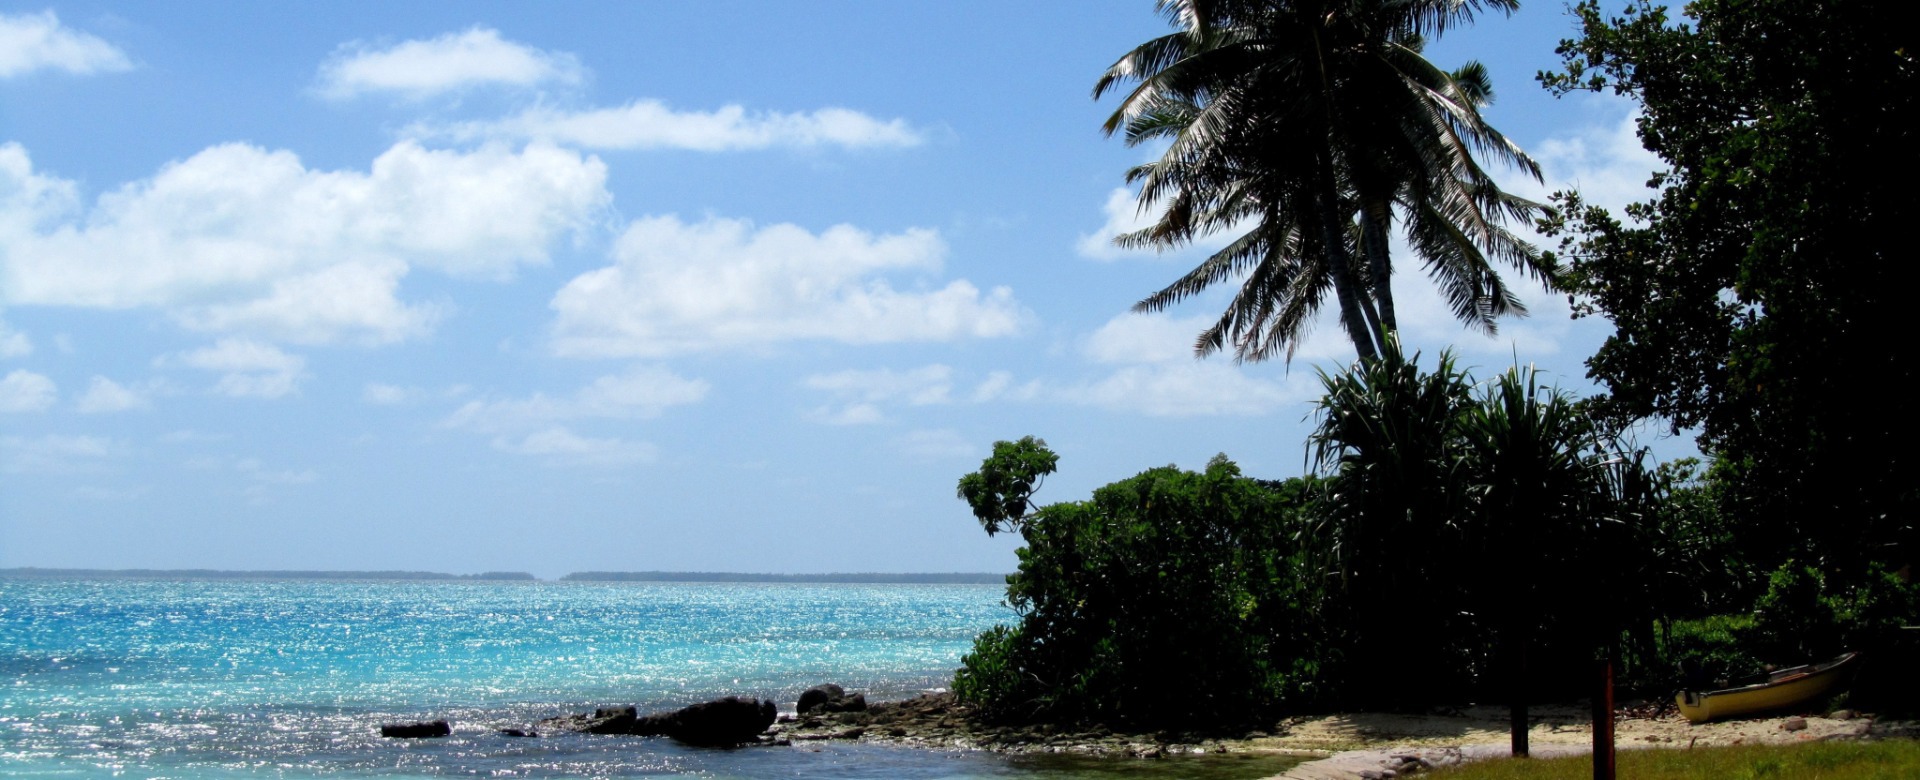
292, 679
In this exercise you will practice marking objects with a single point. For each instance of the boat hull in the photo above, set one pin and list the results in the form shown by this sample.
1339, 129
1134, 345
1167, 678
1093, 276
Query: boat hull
1788, 688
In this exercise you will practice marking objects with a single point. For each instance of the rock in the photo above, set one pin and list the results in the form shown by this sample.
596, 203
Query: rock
438, 728
818, 695
1843, 715
529, 733
1794, 724
829, 698
606, 720
728, 721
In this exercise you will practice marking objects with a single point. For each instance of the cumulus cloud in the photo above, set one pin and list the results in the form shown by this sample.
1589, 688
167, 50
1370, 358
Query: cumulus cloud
31, 42
1123, 215
1156, 374
919, 387
260, 474
247, 369
643, 392
564, 447
651, 124
719, 284
243, 240
1603, 159
383, 394
942, 444
105, 396
418, 69
55, 454
25, 391
859, 394
13, 343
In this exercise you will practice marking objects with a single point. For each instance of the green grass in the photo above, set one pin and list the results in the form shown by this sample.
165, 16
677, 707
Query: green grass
1896, 759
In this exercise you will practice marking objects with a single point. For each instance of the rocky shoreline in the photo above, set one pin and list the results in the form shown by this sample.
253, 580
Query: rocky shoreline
1340, 747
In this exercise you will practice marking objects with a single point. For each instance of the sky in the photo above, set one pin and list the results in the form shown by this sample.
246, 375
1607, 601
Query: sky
718, 286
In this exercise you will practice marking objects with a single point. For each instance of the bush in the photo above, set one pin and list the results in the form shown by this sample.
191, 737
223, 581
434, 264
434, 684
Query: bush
1164, 599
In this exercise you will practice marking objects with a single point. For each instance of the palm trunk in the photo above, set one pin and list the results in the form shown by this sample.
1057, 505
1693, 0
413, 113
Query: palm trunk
1356, 313
1374, 226
1361, 322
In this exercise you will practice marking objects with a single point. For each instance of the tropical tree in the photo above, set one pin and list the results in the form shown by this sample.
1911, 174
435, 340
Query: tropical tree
1760, 296
1503, 520
1309, 125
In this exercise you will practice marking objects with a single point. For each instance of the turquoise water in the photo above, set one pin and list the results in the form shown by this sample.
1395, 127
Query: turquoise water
226, 679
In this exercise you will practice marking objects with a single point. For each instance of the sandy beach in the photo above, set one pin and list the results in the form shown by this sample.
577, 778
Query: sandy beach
1365, 744
1343, 746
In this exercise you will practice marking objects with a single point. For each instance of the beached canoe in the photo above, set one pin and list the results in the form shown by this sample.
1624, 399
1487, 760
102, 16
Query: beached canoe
1784, 689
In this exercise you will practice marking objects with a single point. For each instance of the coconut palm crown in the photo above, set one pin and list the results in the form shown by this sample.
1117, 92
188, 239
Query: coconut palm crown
1310, 126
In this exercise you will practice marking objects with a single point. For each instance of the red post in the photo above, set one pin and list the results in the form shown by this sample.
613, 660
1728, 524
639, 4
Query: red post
1603, 722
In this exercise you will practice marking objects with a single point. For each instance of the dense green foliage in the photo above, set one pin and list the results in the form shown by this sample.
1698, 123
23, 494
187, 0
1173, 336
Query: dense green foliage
1486, 522
1165, 598
1313, 126
1001, 492
1758, 296
1467, 541
1500, 520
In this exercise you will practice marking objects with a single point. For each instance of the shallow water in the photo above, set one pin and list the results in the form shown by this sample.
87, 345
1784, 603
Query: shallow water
222, 679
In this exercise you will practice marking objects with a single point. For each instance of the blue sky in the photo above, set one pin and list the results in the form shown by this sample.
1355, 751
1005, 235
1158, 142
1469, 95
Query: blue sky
621, 286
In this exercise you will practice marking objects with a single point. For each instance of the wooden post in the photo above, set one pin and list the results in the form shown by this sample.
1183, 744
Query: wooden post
1603, 721
1517, 699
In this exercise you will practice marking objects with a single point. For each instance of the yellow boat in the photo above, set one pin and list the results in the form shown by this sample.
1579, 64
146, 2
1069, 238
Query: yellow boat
1784, 689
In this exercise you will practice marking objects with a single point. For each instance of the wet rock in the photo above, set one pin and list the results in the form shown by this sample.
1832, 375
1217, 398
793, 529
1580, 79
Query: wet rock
523, 733
429, 730
729, 721
829, 698
606, 720
818, 695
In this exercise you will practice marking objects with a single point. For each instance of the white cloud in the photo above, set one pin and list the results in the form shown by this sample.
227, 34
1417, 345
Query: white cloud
999, 386
54, 453
419, 69
30, 42
255, 471
918, 387
247, 368
848, 414
13, 343
860, 393
25, 391
943, 444
1603, 159
562, 446
1164, 339
1201, 389
242, 240
384, 394
651, 124
721, 283
1158, 375
105, 396
641, 393
1123, 215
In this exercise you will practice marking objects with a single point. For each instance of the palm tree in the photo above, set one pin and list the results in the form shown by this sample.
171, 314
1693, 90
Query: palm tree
1313, 123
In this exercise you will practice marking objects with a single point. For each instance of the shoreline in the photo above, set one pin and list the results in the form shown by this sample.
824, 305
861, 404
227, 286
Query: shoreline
1338, 746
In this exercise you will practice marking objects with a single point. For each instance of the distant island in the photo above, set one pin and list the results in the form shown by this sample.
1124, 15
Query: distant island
858, 578
218, 574
862, 578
